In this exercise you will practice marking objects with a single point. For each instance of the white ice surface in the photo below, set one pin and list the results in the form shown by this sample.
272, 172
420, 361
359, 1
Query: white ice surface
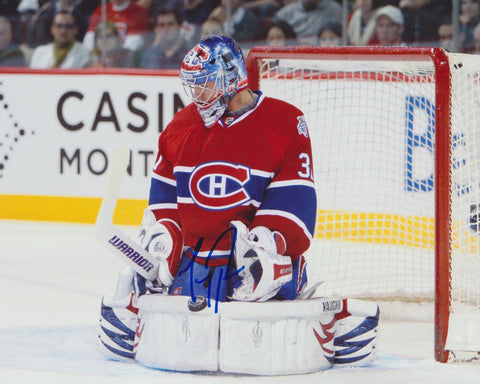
52, 278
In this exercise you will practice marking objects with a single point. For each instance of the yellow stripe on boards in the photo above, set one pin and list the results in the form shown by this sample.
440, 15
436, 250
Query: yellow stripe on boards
378, 228
383, 228
68, 209
362, 227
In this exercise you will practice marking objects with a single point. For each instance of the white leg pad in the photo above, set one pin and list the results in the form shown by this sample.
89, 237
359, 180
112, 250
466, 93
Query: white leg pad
275, 338
356, 335
169, 336
271, 338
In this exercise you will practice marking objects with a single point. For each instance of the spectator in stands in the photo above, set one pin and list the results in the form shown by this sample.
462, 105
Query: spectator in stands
168, 48
25, 9
280, 33
132, 21
361, 27
10, 53
476, 39
307, 17
245, 24
24, 5
189, 31
64, 51
33, 5
195, 13
389, 26
153, 5
469, 17
422, 19
264, 8
8, 8
211, 27
147, 4
445, 34
330, 35
37, 29
108, 51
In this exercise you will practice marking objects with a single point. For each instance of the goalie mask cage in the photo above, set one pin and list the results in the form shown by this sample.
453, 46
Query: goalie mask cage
395, 138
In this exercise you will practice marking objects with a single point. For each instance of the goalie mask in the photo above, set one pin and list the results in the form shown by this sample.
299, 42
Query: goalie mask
212, 73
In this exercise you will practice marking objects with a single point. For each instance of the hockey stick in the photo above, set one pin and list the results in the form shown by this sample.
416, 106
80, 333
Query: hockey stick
114, 238
307, 292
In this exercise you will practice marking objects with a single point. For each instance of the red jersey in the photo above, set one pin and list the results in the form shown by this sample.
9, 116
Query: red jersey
256, 168
133, 20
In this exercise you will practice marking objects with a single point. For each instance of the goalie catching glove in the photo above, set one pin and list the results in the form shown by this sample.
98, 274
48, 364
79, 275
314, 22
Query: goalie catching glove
262, 267
163, 240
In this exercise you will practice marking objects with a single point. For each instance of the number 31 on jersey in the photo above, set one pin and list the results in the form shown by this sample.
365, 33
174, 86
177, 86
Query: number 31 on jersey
306, 171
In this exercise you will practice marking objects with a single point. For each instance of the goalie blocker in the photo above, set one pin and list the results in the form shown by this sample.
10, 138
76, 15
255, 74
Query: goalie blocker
271, 338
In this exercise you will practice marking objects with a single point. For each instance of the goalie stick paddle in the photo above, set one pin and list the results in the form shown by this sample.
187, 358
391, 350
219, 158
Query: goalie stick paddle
114, 238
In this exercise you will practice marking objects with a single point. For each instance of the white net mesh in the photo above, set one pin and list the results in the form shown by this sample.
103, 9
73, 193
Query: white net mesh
372, 127
464, 331
374, 176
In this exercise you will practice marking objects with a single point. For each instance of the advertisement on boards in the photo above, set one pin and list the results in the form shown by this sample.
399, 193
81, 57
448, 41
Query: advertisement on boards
59, 130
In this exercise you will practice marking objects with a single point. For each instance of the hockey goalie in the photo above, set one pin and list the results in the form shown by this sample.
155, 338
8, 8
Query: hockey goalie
220, 283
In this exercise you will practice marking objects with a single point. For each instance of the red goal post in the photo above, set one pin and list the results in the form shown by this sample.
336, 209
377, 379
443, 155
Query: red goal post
399, 113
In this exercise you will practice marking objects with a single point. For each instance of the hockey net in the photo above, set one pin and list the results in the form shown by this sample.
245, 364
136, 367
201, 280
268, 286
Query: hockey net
396, 151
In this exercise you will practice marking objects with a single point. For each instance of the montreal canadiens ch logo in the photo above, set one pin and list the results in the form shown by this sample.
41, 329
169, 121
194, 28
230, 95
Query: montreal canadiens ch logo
219, 185
194, 59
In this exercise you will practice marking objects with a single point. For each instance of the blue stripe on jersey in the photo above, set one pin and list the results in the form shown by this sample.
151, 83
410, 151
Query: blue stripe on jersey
182, 183
298, 200
162, 193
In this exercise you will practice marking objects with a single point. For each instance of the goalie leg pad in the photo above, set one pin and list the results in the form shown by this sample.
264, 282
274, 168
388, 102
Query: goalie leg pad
356, 333
117, 331
118, 319
174, 334
257, 338
249, 338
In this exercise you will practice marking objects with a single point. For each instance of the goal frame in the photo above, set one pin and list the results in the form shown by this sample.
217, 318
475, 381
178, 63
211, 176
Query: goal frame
443, 86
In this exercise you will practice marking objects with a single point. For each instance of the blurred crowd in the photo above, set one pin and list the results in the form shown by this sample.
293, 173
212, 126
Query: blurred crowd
158, 33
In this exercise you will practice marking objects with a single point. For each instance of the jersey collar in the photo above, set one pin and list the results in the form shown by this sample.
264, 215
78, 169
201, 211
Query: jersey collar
228, 121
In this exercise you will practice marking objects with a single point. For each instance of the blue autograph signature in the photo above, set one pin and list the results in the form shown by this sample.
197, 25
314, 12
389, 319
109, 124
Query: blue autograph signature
208, 277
